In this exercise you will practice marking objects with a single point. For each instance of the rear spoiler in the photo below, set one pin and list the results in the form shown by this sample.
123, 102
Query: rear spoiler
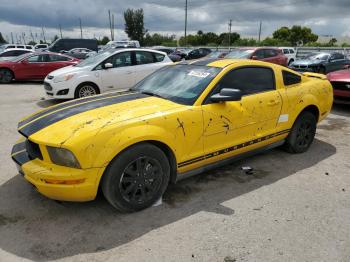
315, 75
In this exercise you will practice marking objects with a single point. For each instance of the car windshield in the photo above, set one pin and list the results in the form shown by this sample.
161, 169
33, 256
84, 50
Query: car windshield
18, 58
321, 56
181, 83
92, 60
240, 53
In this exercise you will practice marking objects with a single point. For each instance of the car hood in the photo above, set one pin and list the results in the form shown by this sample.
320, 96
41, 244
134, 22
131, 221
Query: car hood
307, 62
83, 118
342, 76
69, 70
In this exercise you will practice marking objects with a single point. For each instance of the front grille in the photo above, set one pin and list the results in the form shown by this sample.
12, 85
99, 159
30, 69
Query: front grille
33, 150
47, 86
341, 85
49, 77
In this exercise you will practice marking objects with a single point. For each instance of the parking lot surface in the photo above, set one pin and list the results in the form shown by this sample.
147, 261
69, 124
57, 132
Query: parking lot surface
291, 208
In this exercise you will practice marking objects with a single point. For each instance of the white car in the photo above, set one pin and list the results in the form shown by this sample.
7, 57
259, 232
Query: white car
41, 47
10, 53
290, 53
108, 71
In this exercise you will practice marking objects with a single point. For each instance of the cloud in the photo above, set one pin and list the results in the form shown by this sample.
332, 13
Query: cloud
167, 16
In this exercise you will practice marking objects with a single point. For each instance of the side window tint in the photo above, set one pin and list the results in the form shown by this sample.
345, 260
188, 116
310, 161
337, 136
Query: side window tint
259, 54
270, 53
120, 60
285, 51
250, 80
143, 57
58, 58
291, 51
159, 57
290, 78
33, 59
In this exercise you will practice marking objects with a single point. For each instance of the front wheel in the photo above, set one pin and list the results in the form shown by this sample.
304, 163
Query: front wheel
6, 76
136, 178
85, 90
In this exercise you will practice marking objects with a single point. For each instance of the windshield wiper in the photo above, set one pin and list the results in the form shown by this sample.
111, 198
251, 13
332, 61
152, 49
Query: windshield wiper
151, 94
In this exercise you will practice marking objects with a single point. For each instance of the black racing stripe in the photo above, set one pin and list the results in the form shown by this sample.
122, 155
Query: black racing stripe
70, 103
21, 158
232, 148
63, 114
205, 62
18, 147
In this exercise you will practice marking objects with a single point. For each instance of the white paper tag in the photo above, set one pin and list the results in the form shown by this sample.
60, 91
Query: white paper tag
283, 118
199, 74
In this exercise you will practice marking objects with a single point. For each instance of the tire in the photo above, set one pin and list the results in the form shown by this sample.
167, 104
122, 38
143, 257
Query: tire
6, 76
126, 188
86, 90
302, 134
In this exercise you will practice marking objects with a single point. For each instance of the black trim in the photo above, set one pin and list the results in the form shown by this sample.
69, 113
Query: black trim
226, 161
230, 149
205, 61
18, 147
68, 104
63, 114
21, 158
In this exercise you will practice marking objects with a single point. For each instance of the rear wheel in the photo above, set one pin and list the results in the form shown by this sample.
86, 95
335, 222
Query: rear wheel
6, 76
85, 90
137, 178
302, 134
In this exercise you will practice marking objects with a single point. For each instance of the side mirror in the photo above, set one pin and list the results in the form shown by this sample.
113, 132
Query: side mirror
254, 57
108, 65
227, 94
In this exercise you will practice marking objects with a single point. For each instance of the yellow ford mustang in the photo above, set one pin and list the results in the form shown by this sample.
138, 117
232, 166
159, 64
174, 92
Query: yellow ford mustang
179, 121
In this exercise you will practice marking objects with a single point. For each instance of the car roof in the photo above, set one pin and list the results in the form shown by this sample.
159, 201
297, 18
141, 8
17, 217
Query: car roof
138, 49
18, 49
223, 62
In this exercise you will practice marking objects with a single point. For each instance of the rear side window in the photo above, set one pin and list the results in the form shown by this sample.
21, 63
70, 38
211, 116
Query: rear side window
259, 54
159, 57
285, 51
250, 80
143, 57
291, 51
58, 58
290, 78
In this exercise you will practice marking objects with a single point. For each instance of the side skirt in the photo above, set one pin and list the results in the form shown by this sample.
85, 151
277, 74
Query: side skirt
227, 161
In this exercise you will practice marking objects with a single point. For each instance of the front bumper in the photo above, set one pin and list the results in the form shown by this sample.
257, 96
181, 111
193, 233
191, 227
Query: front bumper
60, 90
56, 182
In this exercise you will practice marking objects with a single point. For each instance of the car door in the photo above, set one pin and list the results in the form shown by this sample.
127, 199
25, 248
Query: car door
145, 64
236, 123
335, 62
35, 66
120, 75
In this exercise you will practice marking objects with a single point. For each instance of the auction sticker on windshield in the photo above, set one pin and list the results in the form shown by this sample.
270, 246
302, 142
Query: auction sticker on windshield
198, 74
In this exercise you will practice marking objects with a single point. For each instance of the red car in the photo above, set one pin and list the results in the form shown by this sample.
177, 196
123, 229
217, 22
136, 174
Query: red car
266, 54
340, 81
33, 66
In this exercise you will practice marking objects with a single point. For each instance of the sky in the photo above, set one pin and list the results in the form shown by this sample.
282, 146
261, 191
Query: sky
325, 17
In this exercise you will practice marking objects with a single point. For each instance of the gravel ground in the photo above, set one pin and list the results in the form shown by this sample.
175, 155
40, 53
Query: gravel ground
292, 208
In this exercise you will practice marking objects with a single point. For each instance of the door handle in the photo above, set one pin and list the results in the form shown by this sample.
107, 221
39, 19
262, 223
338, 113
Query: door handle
273, 102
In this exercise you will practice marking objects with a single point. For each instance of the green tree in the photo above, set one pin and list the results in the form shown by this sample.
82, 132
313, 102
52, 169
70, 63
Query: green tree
32, 43
224, 38
134, 25
104, 40
333, 41
295, 35
2, 40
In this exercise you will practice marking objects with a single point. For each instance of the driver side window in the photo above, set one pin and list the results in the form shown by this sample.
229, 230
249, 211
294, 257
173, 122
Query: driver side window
250, 80
120, 60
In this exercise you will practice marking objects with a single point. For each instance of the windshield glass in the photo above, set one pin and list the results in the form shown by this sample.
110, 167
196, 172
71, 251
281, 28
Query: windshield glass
321, 56
181, 84
18, 58
94, 59
240, 53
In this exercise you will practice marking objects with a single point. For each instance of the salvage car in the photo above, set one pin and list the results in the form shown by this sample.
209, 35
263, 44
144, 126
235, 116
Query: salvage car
266, 54
33, 66
198, 53
340, 81
106, 71
179, 121
321, 63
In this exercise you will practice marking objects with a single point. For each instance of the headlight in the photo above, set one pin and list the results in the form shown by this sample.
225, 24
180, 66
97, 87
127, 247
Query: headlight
62, 157
63, 78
